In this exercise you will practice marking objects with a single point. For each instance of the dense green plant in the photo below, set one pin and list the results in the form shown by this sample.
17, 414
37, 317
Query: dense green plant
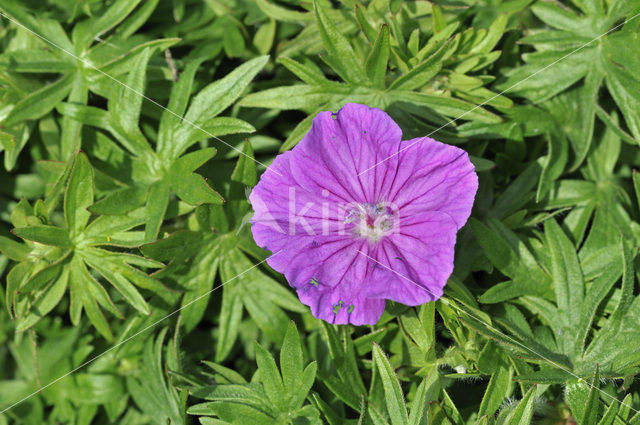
133, 131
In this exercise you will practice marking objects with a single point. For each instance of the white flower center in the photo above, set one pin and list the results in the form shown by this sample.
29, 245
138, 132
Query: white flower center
372, 221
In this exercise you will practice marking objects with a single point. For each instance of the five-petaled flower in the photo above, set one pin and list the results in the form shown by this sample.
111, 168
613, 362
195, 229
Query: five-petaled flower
357, 216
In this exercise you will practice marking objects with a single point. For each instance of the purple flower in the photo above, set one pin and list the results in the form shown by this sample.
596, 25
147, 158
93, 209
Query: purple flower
356, 216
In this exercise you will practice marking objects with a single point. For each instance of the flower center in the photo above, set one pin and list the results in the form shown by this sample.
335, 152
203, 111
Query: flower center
372, 221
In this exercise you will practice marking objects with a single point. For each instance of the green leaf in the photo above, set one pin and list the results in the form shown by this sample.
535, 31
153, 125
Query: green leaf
540, 81
16, 251
554, 164
624, 89
20, 213
230, 315
136, 19
529, 348
264, 37
282, 14
80, 283
304, 385
236, 393
127, 101
612, 123
200, 281
438, 19
394, 397
178, 102
118, 264
583, 399
546, 376
228, 375
194, 190
610, 415
15, 278
363, 22
559, 17
456, 108
493, 35
625, 410
376, 416
79, 195
376, 64
218, 126
89, 115
47, 28
44, 276
190, 162
45, 303
231, 412
291, 359
628, 283
94, 290
34, 60
270, 376
418, 332
422, 396
122, 64
172, 247
267, 315
297, 96
126, 289
155, 209
86, 31
340, 54
514, 261
568, 283
47, 235
153, 393
569, 193
344, 357
310, 75
497, 390
40, 102
608, 274
424, 72
120, 201
218, 96
636, 185
523, 412
245, 170
233, 42
7, 141
491, 359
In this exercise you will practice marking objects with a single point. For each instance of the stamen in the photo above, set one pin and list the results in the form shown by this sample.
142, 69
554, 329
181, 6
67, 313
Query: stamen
372, 221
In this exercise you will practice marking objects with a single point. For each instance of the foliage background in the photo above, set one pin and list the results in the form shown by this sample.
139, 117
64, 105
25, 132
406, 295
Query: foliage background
112, 215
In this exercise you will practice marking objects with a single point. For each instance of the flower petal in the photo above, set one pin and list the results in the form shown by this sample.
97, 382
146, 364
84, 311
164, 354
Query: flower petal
339, 147
330, 306
329, 273
284, 210
335, 290
413, 265
434, 177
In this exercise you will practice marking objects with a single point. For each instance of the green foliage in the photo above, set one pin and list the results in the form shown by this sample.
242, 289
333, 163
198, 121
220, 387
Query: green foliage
431, 77
54, 258
132, 132
276, 398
